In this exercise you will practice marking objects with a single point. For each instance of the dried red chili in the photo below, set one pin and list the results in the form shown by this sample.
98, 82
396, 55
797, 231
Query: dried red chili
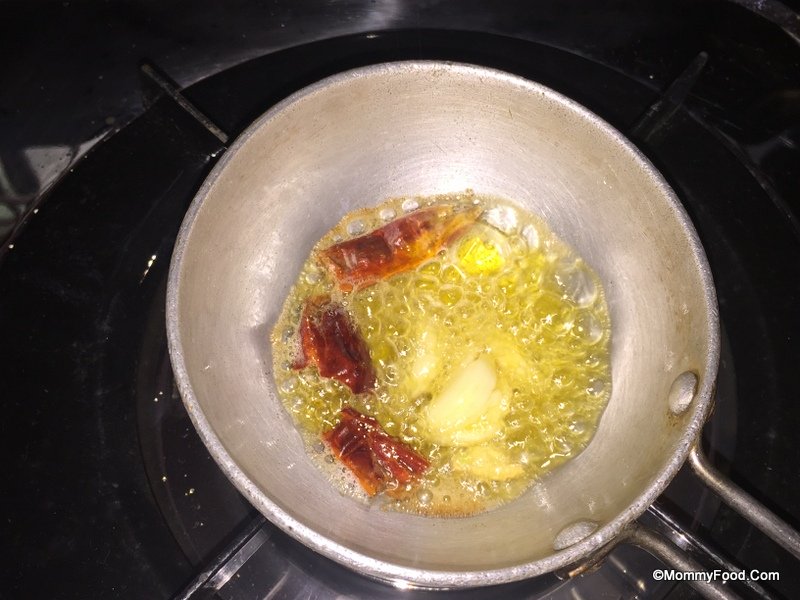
379, 461
396, 247
330, 341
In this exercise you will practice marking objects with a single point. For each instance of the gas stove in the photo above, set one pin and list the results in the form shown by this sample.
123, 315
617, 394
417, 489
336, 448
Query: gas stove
110, 492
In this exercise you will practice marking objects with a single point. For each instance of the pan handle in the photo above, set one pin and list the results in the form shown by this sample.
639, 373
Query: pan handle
663, 549
743, 503
669, 553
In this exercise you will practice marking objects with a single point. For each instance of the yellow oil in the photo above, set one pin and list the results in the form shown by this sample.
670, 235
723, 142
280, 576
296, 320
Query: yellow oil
507, 293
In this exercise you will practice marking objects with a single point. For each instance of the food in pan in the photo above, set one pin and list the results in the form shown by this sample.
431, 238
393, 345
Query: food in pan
398, 246
440, 354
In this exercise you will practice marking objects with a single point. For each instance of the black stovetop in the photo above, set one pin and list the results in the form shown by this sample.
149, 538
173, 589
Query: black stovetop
109, 492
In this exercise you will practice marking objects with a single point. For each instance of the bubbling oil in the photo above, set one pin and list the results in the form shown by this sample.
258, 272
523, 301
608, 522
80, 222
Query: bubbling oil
506, 298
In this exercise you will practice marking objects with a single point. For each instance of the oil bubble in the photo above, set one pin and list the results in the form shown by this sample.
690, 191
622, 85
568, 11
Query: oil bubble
450, 295
579, 286
596, 387
578, 427
356, 227
424, 497
410, 204
589, 328
289, 385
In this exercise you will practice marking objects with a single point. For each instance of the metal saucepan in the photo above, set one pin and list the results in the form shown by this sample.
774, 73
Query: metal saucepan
422, 128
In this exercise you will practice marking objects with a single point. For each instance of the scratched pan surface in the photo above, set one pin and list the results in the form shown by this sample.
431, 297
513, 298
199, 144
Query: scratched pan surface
421, 128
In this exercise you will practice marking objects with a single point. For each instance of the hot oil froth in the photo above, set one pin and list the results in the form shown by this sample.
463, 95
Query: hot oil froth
491, 358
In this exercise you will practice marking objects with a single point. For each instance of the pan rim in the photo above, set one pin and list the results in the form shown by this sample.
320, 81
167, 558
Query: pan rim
420, 576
